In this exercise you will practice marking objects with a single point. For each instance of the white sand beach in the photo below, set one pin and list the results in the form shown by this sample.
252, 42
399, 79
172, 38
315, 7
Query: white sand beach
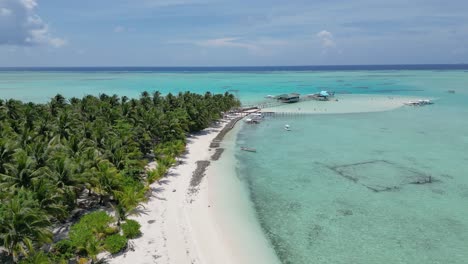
346, 103
181, 227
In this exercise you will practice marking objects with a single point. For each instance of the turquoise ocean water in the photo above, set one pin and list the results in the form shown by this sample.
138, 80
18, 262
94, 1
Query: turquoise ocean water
384, 187
249, 86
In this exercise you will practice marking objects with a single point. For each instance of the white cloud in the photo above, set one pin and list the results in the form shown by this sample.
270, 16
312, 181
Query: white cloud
119, 29
228, 42
5, 11
326, 39
258, 46
30, 4
21, 26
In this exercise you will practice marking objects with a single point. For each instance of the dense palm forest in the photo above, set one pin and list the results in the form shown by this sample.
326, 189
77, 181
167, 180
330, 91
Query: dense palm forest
63, 158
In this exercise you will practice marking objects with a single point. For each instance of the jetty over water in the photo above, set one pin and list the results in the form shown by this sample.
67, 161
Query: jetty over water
285, 99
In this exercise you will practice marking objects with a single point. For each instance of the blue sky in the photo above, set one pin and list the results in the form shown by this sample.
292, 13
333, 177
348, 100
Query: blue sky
231, 33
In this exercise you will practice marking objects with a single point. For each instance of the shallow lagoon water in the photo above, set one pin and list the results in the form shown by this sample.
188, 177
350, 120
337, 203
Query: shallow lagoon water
386, 187
303, 188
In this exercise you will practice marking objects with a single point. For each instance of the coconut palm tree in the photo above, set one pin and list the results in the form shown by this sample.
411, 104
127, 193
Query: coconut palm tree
23, 226
20, 173
105, 179
52, 200
64, 177
7, 149
128, 201
57, 103
12, 109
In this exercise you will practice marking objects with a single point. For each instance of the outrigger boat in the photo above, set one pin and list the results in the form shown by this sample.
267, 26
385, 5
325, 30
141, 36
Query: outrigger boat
419, 102
252, 121
248, 149
254, 118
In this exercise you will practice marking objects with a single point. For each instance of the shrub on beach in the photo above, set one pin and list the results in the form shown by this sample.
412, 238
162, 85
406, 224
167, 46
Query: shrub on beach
131, 229
167, 161
83, 261
154, 175
96, 223
64, 248
115, 243
169, 149
166, 154
111, 230
36, 258
86, 235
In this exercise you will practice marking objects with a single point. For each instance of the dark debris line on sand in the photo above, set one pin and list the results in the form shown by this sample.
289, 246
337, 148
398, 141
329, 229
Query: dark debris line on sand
199, 172
198, 175
223, 132
217, 154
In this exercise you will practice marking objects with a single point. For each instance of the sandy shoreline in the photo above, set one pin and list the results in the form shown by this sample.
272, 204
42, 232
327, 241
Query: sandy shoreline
180, 225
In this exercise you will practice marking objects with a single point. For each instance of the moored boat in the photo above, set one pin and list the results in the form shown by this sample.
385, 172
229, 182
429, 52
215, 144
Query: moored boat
420, 102
248, 149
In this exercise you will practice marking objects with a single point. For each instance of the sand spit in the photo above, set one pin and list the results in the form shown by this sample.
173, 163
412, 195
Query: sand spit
346, 103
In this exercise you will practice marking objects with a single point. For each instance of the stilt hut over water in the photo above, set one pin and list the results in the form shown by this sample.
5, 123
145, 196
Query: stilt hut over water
322, 96
288, 98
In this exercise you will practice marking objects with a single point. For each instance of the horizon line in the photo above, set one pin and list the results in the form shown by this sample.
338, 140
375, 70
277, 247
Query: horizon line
226, 66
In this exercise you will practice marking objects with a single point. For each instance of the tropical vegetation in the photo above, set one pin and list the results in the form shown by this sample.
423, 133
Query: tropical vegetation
66, 157
131, 229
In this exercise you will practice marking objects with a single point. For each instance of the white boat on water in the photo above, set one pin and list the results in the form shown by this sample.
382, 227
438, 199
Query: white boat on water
248, 149
258, 115
419, 102
254, 118
252, 121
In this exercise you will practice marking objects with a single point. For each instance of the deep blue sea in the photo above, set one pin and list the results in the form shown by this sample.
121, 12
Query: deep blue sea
247, 68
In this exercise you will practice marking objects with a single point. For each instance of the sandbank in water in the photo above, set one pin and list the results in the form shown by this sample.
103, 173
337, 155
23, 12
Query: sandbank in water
345, 103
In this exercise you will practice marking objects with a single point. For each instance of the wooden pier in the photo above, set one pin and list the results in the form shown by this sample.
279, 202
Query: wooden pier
275, 103
288, 115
